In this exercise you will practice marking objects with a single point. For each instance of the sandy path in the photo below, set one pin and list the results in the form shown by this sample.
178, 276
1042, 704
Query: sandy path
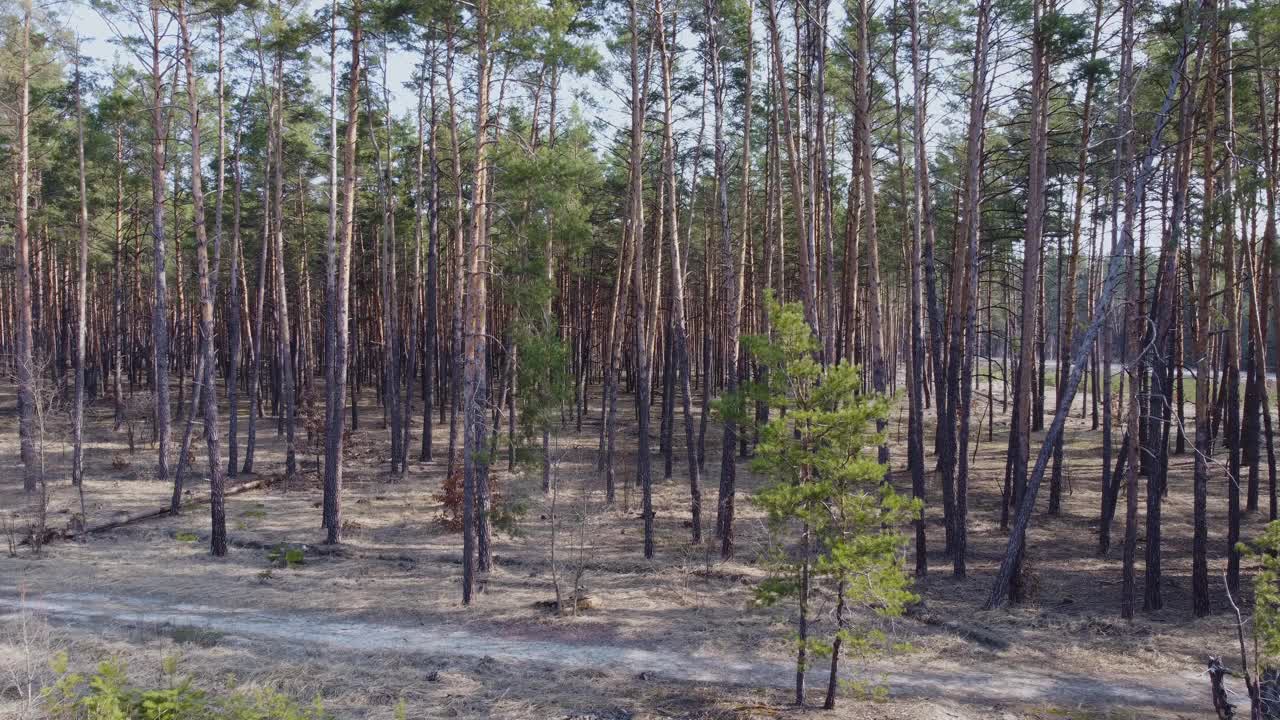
86, 612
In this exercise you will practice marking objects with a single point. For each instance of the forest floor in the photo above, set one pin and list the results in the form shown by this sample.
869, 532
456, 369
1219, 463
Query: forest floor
378, 621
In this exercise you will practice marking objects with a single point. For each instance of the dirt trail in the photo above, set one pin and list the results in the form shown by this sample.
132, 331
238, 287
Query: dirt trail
984, 685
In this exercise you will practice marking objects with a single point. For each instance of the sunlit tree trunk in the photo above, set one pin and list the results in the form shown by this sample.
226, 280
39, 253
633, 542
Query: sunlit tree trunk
876, 345
475, 415
679, 323
1204, 291
82, 281
218, 534
159, 309
338, 280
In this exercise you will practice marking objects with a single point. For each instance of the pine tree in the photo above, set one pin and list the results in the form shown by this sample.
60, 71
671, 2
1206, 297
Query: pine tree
824, 492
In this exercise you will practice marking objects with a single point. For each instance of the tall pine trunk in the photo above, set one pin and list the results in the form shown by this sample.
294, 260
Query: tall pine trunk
338, 278
475, 417
159, 309
218, 534
679, 322
82, 281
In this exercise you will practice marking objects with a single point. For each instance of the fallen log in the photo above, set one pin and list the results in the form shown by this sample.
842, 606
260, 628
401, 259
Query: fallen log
972, 633
130, 519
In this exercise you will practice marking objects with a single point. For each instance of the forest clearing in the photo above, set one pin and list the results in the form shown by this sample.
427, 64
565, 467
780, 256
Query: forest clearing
606, 359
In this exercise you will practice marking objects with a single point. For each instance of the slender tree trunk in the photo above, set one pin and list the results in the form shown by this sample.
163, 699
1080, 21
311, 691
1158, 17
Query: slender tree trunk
338, 274
234, 330
915, 432
284, 330
159, 317
731, 273
119, 324
963, 311
431, 343
1020, 437
679, 322
833, 677
475, 502
1230, 308
82, 281
218, 534
1204, 427
259, 322
458, 251
1131, 425
1271, 286
1134, 199
635, 229
876, 346
389, 305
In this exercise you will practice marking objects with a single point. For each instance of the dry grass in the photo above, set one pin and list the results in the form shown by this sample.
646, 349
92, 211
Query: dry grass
398, 564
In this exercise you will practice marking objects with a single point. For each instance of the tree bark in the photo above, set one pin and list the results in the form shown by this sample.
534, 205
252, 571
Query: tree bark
159, 317
1204, 427
1230, 309
475, 502
338, 275
915, 432
218, 533
876, 345
82, 281
679, 322
732, 281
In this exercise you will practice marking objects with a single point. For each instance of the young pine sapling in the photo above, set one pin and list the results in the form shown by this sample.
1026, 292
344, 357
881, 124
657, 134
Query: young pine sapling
837, 526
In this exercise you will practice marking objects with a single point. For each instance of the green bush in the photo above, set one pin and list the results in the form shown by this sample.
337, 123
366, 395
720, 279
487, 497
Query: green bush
108, 694
286, 557
1266, 595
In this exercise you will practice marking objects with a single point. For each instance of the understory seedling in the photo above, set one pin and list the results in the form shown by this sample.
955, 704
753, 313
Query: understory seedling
110, 694
1262, 682
286, 557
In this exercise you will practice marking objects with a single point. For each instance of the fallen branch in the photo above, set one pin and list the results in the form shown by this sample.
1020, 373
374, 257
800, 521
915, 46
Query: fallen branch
150, 514
972, 633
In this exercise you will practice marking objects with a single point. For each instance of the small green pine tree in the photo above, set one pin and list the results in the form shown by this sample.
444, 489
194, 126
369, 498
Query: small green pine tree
1263, 681
836, 524
1266, 595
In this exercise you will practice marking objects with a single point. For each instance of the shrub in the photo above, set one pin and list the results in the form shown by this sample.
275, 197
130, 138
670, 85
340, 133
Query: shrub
286, 557
109, 694
504, 513
450, 497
